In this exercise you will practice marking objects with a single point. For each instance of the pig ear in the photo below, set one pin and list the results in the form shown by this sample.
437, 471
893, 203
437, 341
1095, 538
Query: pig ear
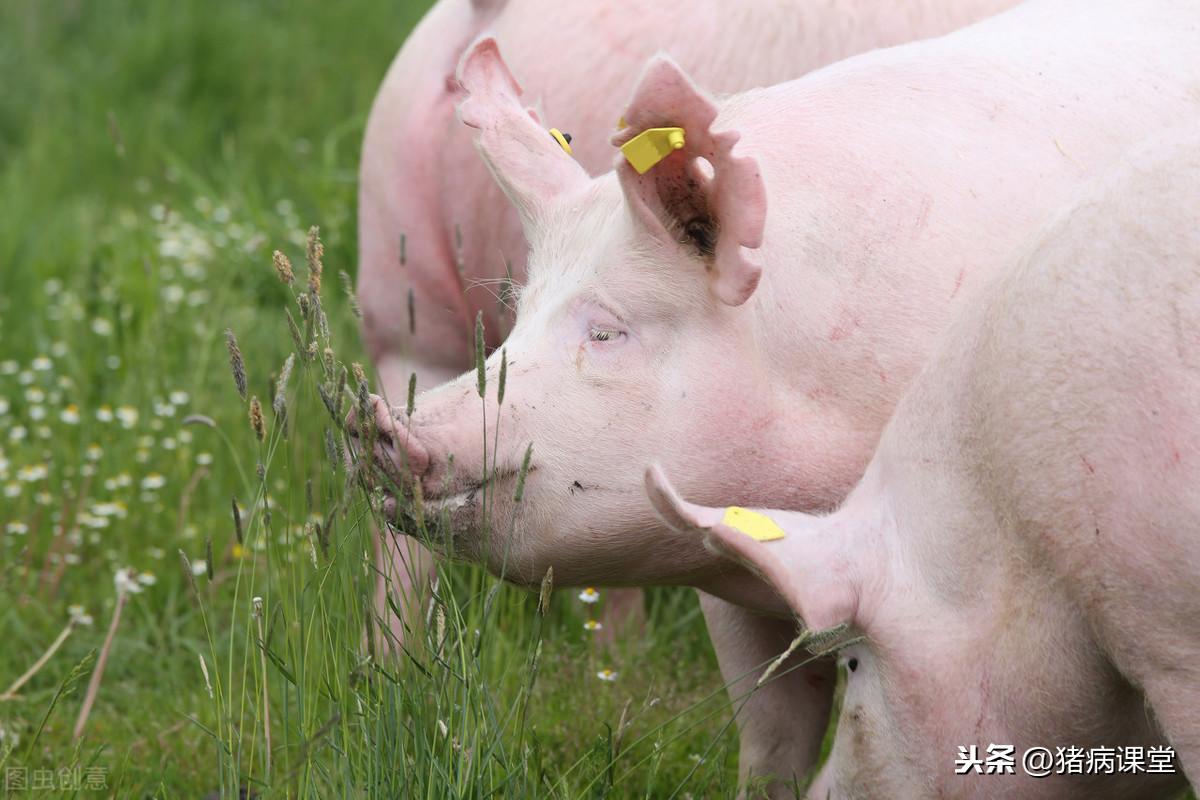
526, 160
802, 560
717, 212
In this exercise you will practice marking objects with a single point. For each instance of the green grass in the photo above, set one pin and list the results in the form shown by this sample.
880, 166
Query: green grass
152, 155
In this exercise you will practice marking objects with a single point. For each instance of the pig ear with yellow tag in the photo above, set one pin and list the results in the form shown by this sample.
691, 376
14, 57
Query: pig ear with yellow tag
809, 562
716, 211
530, 163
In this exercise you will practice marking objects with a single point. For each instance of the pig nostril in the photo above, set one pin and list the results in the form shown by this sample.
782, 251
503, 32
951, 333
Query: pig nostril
852, 664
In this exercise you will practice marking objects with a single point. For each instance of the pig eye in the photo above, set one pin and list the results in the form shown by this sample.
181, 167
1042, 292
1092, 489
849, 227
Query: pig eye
604, 335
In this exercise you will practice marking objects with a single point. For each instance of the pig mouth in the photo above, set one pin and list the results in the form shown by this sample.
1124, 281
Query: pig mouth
447, 517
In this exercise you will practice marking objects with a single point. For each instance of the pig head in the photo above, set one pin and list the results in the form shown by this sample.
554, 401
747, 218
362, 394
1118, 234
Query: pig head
637, 335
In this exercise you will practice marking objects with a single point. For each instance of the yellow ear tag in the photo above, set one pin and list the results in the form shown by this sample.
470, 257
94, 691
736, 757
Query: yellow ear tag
651, 146
753, 524
562, 140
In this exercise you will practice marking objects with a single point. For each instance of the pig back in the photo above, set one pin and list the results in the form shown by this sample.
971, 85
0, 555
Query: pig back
1086, 391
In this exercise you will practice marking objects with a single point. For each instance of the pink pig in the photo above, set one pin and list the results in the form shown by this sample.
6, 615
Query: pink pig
1020, 564
765, 292
422, 182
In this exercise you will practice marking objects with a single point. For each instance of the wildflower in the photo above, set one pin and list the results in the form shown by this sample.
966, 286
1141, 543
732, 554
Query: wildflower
153, 481
162, 409
42, 431
12, 489
42, 364
102, 326
25, 378
147, 579
199, 567
92, 521
72, 559
173, 294
607, 675
30, 473
94, 452
142, 456
104, 414
128, 416
184, 436
179, 397
35, 395
43, 498
16, 528
204, 459
113, 362
37, 413
589, 595
70, 414
592, 625
168, 443
238, 551
156, 553
9, 367
58, 349
79, 615
17, 433
4, 406
125, 582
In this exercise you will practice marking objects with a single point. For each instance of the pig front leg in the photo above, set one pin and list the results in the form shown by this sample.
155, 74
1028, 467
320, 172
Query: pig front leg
783, 722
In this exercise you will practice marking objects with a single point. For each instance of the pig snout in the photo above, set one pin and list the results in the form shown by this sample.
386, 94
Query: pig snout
397, 451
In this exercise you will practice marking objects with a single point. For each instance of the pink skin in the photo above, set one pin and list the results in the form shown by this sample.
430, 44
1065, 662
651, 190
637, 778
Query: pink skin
421, 177
1018, 564
875, 226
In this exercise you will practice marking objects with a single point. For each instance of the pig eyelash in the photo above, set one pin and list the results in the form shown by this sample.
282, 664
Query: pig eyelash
604, 335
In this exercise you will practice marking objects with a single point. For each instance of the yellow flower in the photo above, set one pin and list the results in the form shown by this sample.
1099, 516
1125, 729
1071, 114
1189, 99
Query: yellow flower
589, 595
607, 675
592, 625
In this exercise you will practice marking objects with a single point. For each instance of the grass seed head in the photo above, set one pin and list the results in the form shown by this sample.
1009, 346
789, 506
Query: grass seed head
313, 252
480, 371
237, 520
519, 492
547, 589
256, 419
503, 376
351, 295
236, 363
283, 268
278, 404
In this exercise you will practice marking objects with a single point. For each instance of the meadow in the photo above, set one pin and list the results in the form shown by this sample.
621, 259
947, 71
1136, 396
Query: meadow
196, 559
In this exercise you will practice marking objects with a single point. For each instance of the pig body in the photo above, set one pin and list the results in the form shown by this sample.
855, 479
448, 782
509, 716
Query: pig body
767, 291
1023, 551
